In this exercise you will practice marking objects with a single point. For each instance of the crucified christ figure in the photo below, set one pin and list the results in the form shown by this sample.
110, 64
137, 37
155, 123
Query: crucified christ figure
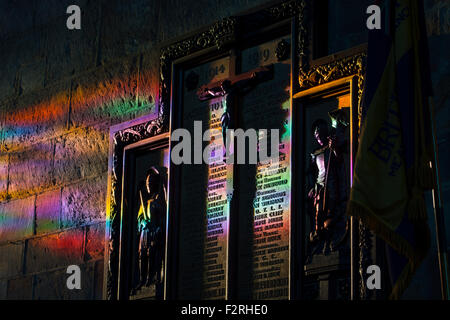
230, 89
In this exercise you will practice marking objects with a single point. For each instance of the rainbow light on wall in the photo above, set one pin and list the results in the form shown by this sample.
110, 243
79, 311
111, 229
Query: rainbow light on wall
34, 130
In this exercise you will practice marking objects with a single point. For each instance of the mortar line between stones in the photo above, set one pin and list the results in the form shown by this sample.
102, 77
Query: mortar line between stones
83, 254
60, 222
55, 187
7, 177
47, 65
33, 286
2, 127
138, 76
52, 137
69, 112
35, 215
81, 74
24, 258
43, 235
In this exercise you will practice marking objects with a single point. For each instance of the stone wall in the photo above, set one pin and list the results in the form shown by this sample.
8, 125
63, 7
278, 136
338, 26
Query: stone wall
61, 90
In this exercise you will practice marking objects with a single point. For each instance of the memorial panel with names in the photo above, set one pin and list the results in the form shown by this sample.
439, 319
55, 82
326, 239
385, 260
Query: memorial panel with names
264, 204
204, 204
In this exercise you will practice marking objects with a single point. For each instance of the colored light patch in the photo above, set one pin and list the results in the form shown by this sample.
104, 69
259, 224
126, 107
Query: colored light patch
44, 112
16, 219
220, 188
106, 100
271, 236
50, 119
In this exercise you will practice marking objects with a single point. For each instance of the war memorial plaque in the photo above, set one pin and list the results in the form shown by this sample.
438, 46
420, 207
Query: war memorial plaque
257, 98
267, 185
204, 218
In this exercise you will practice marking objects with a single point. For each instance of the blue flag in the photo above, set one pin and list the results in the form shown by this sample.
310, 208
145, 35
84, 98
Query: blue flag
392, 167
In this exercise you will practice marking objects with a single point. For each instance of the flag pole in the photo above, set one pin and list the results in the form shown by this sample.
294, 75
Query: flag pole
441, 238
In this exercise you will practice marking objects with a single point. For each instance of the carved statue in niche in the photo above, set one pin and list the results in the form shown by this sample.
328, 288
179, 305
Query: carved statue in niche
151, 220
328, 190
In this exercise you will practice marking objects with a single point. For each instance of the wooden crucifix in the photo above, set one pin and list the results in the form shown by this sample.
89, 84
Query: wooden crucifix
230, 89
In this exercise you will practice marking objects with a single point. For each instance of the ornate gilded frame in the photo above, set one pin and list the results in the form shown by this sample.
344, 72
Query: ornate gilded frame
325, 74
215, 38
120, 137
219, 39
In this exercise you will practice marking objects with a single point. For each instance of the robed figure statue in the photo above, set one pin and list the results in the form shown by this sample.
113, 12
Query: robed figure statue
328, 185
151, 221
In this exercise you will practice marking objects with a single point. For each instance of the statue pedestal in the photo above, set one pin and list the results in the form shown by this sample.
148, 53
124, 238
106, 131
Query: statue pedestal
327, 277
152, 292
145, 293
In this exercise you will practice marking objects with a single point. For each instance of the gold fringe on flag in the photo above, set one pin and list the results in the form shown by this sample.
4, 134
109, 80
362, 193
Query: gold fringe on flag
415, 255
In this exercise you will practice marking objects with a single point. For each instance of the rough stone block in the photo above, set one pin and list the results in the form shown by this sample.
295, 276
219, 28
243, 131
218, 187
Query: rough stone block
16, 219
95, 241
37, 115
149, 80
107, 95
135, 25
32, 75
53, 9
10, 13
84, 203
80, 154
48, 211
4, 160
11, 259
30, 169
20, 288
55, 250
190, 16
187, 17
346, 24
8, 76
27, 51
52, 285
73, 51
